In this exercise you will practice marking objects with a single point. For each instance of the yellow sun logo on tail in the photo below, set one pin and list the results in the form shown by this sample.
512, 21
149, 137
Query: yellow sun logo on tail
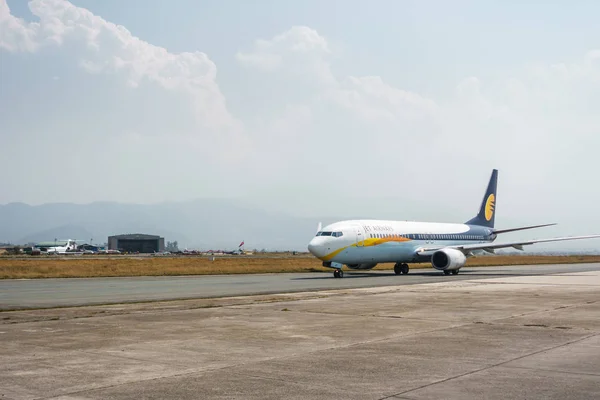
489, 206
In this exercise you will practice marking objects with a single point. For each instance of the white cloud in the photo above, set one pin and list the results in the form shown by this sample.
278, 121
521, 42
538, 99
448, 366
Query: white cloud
374, 100
303, 52
299, 41
16, 34
300, 50
111, 48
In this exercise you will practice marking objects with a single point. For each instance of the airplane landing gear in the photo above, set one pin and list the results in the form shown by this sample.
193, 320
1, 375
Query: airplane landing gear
338, 273
453, 272
401, 268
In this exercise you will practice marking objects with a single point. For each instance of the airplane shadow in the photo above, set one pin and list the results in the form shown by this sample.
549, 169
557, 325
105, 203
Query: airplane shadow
471, 274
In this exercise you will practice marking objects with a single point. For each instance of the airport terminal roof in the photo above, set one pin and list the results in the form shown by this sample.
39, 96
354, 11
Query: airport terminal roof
135, 236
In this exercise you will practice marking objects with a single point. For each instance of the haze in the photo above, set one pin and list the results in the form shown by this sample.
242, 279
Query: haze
386, 109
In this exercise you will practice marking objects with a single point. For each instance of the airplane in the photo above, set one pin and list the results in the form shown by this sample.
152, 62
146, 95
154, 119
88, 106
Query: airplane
69, 248
239, 250
362, 244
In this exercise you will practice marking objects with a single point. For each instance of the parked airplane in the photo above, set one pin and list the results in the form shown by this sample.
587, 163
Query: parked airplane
362, 244
69, 248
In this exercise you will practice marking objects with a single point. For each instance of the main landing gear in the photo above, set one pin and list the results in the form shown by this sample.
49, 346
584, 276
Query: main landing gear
401, 268
454, 272
338, 273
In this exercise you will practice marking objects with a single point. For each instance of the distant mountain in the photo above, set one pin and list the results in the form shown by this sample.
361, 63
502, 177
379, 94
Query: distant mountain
61, 232
202, 224
205, 224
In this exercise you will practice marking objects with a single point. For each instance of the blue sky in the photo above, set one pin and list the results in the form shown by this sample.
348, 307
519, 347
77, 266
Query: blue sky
310, 107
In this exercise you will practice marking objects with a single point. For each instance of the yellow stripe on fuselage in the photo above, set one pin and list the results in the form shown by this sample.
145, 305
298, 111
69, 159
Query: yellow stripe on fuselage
366, 243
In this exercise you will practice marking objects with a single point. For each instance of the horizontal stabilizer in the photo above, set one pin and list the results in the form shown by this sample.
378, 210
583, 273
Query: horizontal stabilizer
497, 231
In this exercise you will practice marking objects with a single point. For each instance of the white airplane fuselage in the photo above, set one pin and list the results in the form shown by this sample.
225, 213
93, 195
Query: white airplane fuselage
70, 247
357, 242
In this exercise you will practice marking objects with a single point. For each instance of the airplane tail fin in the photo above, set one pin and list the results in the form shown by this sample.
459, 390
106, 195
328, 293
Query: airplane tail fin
487, 211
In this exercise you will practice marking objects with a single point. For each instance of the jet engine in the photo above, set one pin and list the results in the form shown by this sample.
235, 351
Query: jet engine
361, 266
448, 259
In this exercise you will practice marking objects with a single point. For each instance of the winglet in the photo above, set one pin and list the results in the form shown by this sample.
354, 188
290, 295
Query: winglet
319, 226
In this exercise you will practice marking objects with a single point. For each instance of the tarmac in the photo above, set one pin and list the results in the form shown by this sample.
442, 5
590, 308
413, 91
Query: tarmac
514, 336
67, 292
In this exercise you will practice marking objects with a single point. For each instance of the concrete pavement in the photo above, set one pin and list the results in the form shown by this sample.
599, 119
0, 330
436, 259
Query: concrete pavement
518, 337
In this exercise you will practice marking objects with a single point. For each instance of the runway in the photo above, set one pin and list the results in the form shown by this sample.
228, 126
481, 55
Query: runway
48, 293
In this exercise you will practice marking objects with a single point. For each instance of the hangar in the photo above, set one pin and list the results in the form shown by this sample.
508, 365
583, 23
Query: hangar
136, 242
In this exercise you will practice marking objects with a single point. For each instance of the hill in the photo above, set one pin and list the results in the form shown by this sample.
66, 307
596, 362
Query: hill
203, 224
206, 224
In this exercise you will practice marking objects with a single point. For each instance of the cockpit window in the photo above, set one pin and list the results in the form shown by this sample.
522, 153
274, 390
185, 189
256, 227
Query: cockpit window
324, 233
327, 233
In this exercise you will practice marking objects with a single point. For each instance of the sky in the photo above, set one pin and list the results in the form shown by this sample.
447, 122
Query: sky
395, 109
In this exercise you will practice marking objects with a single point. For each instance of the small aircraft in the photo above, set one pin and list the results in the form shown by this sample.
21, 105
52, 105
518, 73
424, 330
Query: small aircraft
69, 248
362, 244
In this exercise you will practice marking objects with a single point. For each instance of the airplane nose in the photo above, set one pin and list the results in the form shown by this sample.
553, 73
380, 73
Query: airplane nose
314, 247
317, 247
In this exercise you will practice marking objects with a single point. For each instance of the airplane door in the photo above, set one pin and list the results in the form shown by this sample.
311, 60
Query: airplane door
360, 237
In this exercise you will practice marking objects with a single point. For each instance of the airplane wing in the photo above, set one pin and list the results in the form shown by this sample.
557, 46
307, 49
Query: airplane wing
490, 247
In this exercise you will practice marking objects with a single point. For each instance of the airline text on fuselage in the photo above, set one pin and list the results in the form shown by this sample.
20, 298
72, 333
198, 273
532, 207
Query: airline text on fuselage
378, 228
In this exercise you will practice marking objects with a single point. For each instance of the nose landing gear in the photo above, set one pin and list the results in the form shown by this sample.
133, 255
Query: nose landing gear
338, 273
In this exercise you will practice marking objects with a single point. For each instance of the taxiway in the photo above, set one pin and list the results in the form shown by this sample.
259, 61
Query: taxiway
42, 293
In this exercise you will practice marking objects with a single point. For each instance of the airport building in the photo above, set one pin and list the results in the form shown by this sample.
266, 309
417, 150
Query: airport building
136, 243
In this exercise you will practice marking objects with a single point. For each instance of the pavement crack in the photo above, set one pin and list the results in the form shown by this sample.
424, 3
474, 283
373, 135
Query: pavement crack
543, 311
490, 366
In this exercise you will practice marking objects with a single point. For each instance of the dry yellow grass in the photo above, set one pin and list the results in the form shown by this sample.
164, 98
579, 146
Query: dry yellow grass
80, 267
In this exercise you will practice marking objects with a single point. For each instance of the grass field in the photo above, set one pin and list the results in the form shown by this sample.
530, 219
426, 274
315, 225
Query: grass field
82, 267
